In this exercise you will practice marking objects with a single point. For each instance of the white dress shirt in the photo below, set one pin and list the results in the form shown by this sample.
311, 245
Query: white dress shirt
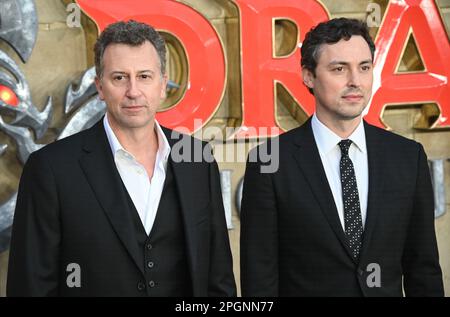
330, 154
144, 192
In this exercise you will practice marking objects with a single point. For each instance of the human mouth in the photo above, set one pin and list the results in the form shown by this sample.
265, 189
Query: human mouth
353, 97
134, 108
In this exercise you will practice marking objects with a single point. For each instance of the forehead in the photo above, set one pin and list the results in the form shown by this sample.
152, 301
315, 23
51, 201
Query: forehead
119, 55
354, 49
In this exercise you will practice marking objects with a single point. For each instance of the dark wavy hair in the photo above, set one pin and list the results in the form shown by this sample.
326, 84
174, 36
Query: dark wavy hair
331, 32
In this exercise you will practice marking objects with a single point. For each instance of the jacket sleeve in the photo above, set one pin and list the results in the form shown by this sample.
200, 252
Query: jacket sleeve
259, 233
34, 251
421, 269
221, 278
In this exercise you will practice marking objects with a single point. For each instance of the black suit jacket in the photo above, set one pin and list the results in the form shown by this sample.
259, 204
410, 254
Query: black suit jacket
293, 244
72, 208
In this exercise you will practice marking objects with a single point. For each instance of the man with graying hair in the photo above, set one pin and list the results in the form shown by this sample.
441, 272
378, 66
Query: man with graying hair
107, 211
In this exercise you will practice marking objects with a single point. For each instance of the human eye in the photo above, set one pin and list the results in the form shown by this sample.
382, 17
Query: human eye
338, 69
366, 67
119, 78
145, 77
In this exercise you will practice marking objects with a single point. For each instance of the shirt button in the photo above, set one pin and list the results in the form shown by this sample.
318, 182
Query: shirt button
140, 286
151, 284
149, 246
150, 264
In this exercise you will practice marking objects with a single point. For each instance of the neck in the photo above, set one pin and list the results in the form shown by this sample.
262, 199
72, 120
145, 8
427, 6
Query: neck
342, 128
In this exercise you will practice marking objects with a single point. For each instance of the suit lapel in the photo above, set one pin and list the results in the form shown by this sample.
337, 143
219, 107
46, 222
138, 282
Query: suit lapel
184, 174
376, 162
101, 173
308, 158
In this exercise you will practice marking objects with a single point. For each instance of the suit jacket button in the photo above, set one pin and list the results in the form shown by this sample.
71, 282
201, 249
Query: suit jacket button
151, 284
150, 264
149, 246
140, 286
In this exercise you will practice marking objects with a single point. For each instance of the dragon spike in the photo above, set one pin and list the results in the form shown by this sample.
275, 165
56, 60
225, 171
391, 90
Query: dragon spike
23, 138
38, 121
6, 220
26, 113
3, 148
86, 90
20, 85
19, 25
172, 85
85, 118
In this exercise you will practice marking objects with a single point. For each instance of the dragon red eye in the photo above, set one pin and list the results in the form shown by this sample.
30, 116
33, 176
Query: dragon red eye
8, 96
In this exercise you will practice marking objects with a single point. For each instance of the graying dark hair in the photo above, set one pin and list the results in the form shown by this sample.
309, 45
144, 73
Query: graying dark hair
131, 33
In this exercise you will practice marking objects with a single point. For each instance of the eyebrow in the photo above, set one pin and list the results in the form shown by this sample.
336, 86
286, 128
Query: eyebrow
118, 72
333, 63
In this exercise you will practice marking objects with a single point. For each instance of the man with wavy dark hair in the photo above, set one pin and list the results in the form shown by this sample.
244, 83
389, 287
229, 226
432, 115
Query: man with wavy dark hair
111, 211
350, 210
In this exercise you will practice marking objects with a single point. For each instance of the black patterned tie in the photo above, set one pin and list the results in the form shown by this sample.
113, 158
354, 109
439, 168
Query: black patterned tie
350, 197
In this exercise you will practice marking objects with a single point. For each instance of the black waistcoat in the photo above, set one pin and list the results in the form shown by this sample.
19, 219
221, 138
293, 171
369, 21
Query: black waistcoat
164, 249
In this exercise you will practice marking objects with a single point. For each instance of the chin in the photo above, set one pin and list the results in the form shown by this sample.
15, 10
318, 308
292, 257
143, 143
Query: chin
135, 123
350, 116
352, 113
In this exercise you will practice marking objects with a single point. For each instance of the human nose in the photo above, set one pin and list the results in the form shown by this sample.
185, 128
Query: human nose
133, 89
354, 78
